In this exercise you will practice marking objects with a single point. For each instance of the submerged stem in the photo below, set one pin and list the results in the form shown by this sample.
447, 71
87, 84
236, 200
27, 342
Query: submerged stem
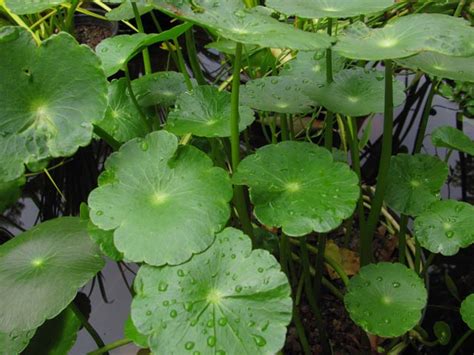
111, 346
424, 119
387, 139
193, 57
402, 238
141, 29
87, 326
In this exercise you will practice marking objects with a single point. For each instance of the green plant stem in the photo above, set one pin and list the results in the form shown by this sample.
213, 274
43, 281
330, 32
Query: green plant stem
284, 128
367, 237
417, 256
424, 119
459, 8
319, 265
461, 341
193, 57
182, 65
284, 254
111, 346
114, 144
355, 154
141, 29
167, 43
402, 238
240, 202
329, 121
19, 21
250, 3
85, 323
134, 98
69, 22
300, 331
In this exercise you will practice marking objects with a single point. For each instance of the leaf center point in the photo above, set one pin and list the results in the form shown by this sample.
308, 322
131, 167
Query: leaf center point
214, 296
293, 186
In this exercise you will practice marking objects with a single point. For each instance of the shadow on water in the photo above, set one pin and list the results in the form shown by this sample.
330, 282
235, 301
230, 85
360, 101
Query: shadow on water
110, 298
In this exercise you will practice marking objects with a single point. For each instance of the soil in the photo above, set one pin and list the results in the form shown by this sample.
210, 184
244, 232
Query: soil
92, 34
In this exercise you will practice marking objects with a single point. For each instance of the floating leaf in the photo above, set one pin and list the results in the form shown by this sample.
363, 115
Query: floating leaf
117, 51
386, 299
355, 92
123, 120
105, 241
15, 342
125, 11
205, 112
452, 138
311, 66
414, 182
467, 310
442, 332
10, 192
231, 20
227, 300
23, 7
154, 193
131, 332
406, 36
161, 88
445, 226
282, 94
298, 186
46, 113
41, 271
56, 336
441, 66
328, 8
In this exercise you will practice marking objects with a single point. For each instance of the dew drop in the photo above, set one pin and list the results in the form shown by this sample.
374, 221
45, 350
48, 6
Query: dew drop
144, 146
99, 213
196, 353
211, 341
173, 313
220, 352
238, 288
387, 321
188, 306
259, 340
379, 278
449, 234
189, 345
396, 284
459, 208
181, 273
166, 303
162, 286
222, 322
260, 269
210, 323
148, 313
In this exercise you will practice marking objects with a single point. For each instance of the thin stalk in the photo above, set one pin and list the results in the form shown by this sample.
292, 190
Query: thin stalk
319, 265
111, 346
18, 20
329, 121
167, 43
182, 65
402, 238
384, 165
240, 202
284, 254
459, 8
461, 341
114, 144
69, 23
284, 128
87, 326
355, 154
141, 29
424, 119
300, 331
134, 98
417, 256
193, 57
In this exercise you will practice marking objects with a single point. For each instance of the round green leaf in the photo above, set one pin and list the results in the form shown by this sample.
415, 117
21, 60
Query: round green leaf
298, 186
355, 92
131, 332
123, 120
205, 112
414, 182
23, 7
41, 271
442, 332
48, 101
231, 20
125, 11
161, 88
441, 66
445, 226
227, 300
406, 36
386, 299
328, 8
105, 241
154, 193
311, 66
116, 51
10, 192
467, 311
282, 94
15, 342
452, 138
56, 336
